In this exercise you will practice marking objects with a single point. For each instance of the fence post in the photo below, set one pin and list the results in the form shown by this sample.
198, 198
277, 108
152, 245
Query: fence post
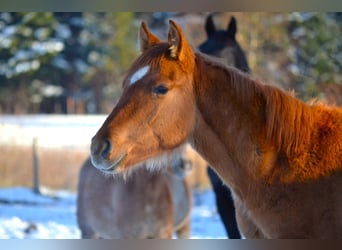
36, 184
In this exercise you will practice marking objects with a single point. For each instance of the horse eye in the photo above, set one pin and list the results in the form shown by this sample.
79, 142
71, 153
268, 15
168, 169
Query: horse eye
160, 90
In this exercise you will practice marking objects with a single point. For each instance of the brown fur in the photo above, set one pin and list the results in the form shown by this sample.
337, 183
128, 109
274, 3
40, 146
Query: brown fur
145, 205
282, 158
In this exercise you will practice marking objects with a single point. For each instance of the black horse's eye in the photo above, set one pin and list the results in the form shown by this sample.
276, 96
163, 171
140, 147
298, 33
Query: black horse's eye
160, 90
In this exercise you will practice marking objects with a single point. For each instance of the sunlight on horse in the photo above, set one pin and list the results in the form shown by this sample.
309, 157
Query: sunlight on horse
145, 205
282, 158
222, 44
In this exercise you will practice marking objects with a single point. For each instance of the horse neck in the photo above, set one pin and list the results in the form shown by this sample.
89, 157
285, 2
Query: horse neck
219, 116
233, 112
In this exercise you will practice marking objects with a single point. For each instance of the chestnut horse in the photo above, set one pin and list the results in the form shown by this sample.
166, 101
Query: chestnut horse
145, 205
223, 44
281, 157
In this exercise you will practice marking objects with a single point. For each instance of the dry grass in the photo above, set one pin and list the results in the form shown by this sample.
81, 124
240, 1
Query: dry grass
59, 168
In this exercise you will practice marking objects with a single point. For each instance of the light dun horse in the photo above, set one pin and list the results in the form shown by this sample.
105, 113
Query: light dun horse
145, 205
281, 157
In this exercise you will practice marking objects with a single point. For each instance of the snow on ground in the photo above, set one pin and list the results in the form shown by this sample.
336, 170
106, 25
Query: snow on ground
77, 130
25, 215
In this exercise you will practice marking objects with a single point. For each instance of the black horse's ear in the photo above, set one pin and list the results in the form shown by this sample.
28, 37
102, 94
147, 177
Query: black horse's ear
210, 25
232, 27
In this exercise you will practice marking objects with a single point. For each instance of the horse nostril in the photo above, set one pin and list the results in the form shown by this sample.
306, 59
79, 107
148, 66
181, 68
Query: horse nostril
106, 148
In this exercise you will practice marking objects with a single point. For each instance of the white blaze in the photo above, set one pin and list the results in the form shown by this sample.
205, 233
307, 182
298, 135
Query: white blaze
139, 74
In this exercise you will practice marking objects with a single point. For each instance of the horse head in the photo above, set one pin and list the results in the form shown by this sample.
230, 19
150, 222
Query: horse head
223, 44
155, 114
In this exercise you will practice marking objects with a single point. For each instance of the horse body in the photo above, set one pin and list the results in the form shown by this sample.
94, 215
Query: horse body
278, 188
281, 157
144, 205
293, 211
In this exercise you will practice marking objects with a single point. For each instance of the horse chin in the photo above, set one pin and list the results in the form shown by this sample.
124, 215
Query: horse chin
125, 165
109, 167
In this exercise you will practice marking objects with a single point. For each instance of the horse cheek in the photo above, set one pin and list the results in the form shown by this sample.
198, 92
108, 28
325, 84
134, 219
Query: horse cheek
179, 123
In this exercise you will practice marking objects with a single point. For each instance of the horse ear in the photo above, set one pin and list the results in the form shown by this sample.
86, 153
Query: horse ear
210, 25
176, 40
232, 27
146, 37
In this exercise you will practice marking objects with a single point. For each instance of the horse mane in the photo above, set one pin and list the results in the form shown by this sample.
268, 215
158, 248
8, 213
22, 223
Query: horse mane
289, 121
284, 115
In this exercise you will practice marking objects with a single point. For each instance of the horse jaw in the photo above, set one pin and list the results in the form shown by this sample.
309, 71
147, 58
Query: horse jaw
153, 164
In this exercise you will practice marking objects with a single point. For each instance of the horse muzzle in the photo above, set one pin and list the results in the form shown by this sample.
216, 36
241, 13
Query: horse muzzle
100, 155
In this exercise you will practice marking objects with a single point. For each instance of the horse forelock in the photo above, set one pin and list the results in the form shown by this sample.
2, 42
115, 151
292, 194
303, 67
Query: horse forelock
151, 58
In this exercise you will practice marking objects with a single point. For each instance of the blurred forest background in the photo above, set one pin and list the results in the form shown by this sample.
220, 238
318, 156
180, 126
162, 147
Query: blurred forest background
74, 63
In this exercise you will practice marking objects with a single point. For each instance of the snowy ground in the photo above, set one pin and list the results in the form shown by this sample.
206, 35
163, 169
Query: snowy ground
77, 130
24, 215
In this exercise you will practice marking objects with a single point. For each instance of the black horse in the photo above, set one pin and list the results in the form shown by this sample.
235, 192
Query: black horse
222, 44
